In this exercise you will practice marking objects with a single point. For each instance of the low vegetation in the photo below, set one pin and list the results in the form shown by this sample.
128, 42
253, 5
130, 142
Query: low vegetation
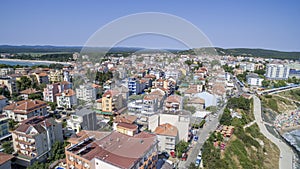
246, 148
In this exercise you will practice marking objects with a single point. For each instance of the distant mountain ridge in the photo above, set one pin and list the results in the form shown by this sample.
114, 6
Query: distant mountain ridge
265, 53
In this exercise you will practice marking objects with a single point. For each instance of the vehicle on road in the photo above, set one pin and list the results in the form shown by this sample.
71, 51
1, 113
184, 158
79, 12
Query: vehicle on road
197, 163
196, 138
184, 156
199, 156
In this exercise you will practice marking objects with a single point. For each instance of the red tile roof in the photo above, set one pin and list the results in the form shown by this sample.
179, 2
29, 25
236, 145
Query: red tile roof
5, 157
166, 129
25, 106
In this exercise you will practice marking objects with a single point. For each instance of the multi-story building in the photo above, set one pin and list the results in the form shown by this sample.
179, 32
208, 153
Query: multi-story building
66, 99
150, 104
277, 71
135, 86
33, 139
42, 77
4, 127
173, 102
83, 119
167, 85
6, 71
10, 83
112, 150
180, 119
173, 73
254, 80
26, 93
167, 136
112, 101
86, 93
52, 89
56, 76
3, 102
25, 109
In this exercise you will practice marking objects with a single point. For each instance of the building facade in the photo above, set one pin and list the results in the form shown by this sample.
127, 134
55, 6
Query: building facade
25, 109
33, 139
277, 71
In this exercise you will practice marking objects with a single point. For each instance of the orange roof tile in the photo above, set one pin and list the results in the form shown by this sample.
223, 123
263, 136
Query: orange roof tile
166, 129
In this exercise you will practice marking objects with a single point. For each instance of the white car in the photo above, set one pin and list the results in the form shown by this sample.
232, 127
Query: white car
199, 156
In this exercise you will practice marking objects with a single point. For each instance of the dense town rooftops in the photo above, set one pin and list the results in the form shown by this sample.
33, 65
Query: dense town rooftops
115, 148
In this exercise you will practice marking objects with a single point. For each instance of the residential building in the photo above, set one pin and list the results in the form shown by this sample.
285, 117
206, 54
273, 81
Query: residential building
25, 93
209, 99
277, 71
167, 136
56, 76
86, 93
180, 119
3, 102
196, 102
173, 102
112, 151
42, 77
4, 127
33, 139
10, 83
254, 80
66, 99
173, 73
5, 160
6, 71
25, 109
52, 89
135, 86
112, 101
124, 118
150, 104
83, 119
135, 106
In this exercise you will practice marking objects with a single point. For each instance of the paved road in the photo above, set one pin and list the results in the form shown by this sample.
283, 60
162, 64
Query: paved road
210, 126
286, 153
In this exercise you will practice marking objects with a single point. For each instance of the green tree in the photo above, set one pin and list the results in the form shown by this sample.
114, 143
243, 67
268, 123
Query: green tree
12, 124
226, 117
265, 83
181, 147
8, 147
24, 83
192, 166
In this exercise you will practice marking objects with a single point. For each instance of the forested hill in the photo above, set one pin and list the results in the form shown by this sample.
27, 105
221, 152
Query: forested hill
233, 51
259, 53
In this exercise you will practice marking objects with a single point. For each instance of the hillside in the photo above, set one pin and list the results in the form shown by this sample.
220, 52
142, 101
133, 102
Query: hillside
234, 51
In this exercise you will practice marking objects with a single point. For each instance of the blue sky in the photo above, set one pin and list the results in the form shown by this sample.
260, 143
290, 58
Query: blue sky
269, 24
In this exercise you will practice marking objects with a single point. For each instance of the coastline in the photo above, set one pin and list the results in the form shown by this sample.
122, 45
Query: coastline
35, 61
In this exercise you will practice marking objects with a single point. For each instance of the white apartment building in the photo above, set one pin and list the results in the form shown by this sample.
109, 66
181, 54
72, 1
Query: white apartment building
180, 119
86, 93
277, 71
66, 98
33, 139
254, 80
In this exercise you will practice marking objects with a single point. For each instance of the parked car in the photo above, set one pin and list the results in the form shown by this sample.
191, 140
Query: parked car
199, 156
197, 163
184, 156
196, 138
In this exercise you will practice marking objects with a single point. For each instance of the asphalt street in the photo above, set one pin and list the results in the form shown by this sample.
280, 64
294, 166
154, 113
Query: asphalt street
286, 153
